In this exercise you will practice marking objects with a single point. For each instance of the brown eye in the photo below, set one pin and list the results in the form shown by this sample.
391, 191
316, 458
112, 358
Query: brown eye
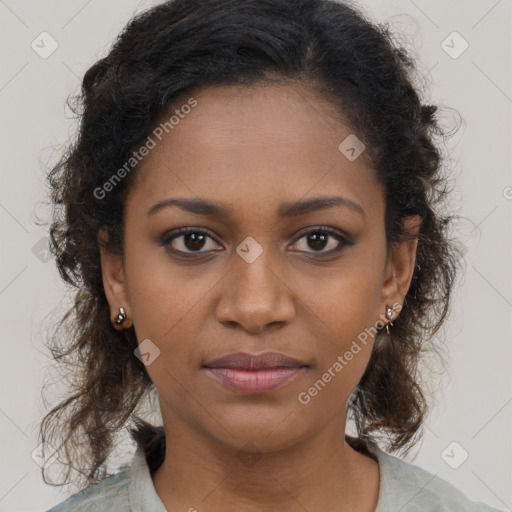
320, 239
189, 240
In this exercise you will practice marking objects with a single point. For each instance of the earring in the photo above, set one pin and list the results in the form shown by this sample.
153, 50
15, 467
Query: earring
389, 315
121, 318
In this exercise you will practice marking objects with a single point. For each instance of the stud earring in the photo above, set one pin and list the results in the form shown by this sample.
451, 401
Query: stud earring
121, 318
389, 315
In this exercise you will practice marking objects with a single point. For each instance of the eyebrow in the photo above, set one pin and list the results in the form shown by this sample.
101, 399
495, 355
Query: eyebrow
290, 209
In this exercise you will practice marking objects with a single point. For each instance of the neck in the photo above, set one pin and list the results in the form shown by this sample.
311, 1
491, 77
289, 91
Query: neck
321, 473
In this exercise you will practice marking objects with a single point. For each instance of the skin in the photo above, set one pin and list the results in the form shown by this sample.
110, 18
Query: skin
252, 149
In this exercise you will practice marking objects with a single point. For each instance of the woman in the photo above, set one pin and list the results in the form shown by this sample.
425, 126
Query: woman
251, 218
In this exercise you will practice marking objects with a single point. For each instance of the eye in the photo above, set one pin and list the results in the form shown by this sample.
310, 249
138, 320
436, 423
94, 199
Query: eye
188, 240
191, 240
321, 238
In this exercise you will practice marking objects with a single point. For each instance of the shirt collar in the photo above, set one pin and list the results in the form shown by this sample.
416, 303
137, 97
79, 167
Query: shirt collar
142, 493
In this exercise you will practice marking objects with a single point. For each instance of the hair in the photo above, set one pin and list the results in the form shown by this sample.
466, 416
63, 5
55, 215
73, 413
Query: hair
163, 55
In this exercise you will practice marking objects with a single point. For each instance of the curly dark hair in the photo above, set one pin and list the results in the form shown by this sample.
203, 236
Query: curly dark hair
166, 53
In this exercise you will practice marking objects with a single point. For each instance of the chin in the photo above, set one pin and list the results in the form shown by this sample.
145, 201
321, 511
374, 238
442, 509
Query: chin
267, 430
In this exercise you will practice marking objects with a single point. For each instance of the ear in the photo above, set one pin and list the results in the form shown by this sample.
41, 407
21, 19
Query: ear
114, 282
400, 268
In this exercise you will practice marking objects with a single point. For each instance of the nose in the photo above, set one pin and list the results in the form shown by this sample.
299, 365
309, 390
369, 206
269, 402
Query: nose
255, 295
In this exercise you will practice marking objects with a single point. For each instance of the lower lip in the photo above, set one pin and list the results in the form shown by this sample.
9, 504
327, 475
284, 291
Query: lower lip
255, 381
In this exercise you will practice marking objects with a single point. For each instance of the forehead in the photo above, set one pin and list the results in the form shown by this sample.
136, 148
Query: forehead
253, 146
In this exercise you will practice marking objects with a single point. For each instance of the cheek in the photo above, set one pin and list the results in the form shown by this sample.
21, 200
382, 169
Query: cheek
345, 301
346, 309
170, 306
162, 294
344, 347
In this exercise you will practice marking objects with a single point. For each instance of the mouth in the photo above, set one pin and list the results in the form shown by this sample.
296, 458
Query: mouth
260, 373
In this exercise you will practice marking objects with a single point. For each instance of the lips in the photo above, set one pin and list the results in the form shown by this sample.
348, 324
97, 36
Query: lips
264, 361
254, 374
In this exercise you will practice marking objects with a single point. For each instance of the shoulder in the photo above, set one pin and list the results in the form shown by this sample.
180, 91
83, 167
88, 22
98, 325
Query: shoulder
110, 494
407, 487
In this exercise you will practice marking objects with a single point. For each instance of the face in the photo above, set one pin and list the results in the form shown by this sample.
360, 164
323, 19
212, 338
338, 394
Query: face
267, 265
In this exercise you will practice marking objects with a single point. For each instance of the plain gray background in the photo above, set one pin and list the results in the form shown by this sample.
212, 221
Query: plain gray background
474, 400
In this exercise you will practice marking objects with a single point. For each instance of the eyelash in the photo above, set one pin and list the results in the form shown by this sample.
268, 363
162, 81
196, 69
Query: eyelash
169, 237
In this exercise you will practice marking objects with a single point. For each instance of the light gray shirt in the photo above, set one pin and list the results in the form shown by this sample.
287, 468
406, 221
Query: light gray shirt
403, 487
